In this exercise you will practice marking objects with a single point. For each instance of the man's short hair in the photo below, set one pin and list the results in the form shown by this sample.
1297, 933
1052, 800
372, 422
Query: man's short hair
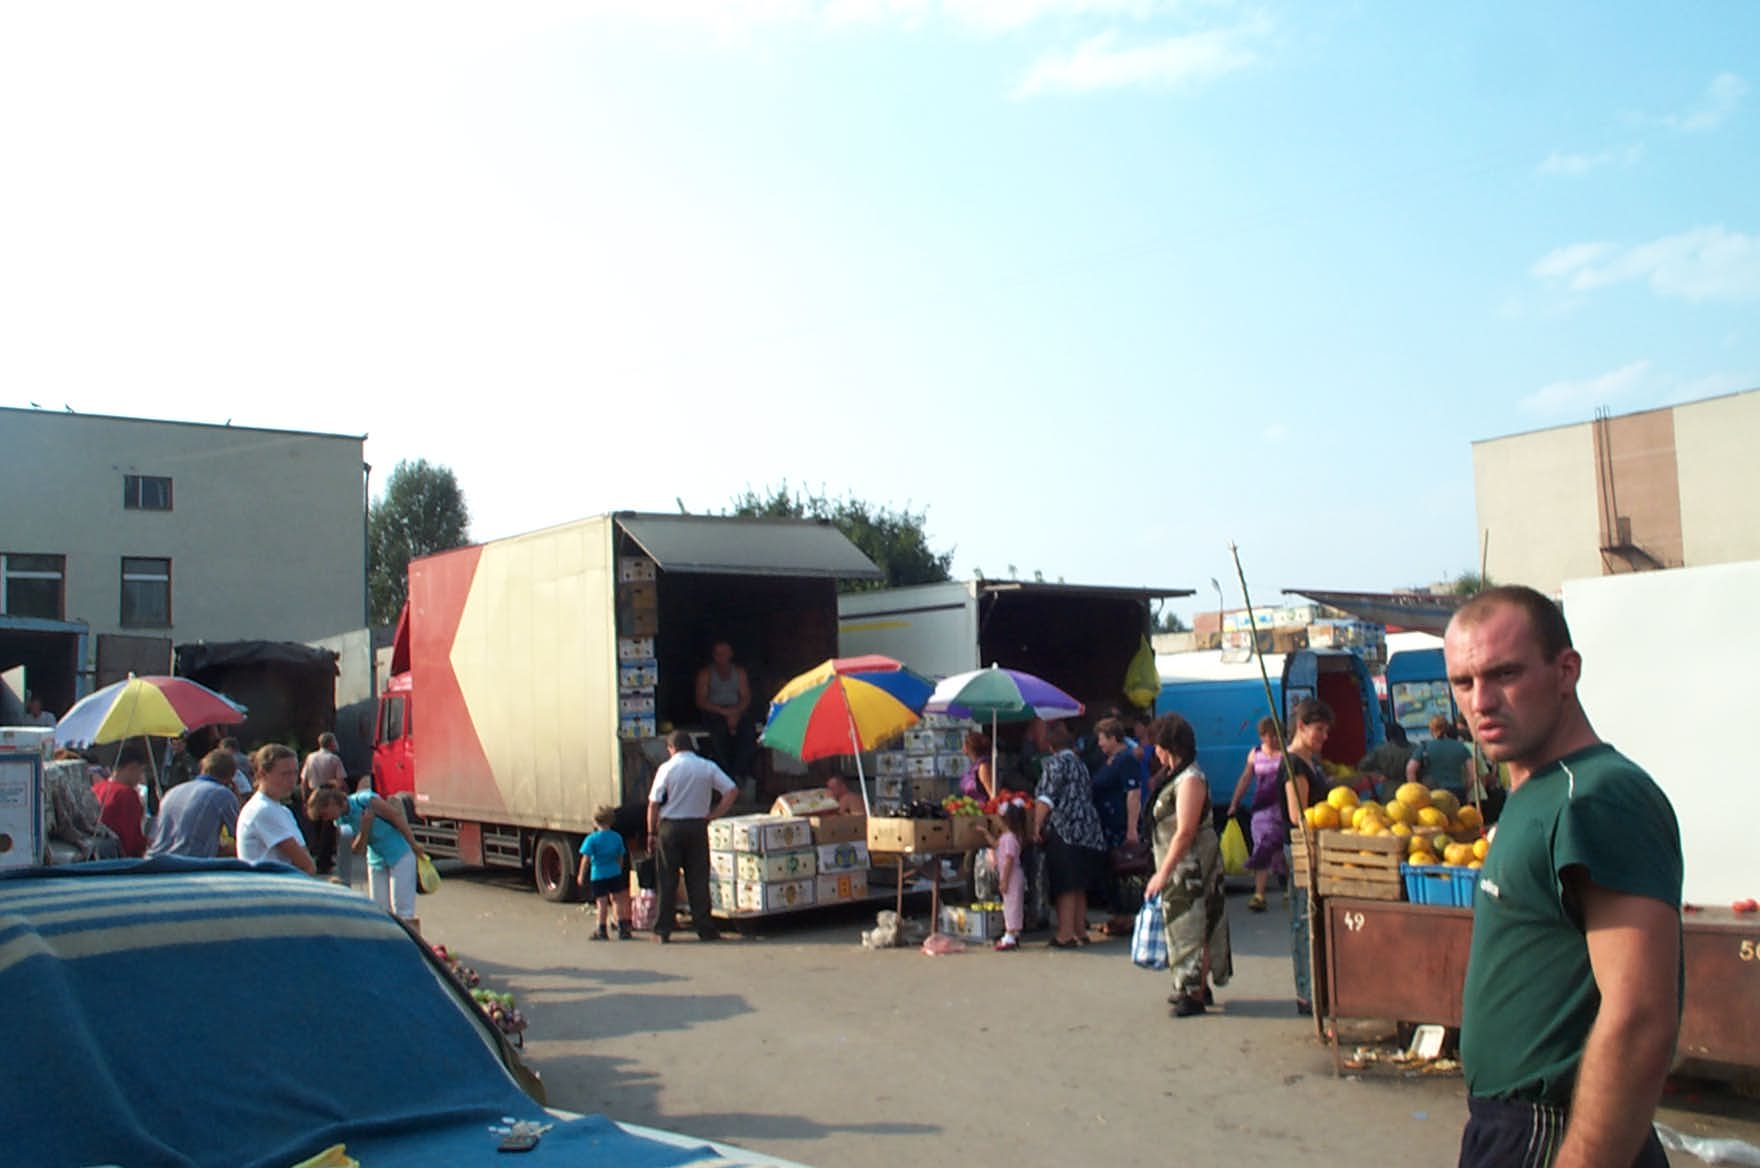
220, 764
327, 741
1545, 618
681, 740
1311, 710
132, 754
1111, 728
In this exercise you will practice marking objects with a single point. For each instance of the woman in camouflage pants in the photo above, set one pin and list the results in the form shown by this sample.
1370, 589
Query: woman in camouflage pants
1188, 870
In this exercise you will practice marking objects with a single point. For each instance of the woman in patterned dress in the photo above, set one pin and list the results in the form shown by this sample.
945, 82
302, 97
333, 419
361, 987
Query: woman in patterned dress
1075, 847
1188, 871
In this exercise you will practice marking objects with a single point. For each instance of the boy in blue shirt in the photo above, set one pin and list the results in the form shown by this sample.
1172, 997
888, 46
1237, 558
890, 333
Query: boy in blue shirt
601, 871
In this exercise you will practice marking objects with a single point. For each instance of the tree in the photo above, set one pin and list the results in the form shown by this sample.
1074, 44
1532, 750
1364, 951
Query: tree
894, 540
422, 511
1470, 584
1169, 621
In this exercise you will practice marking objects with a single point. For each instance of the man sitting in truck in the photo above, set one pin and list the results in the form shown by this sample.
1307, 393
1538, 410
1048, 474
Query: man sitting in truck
724, 695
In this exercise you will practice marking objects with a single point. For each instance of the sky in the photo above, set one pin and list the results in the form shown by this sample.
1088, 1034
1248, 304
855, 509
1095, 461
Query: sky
1101, 286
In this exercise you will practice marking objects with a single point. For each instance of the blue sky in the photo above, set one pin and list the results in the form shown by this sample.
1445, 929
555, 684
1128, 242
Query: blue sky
1102, 284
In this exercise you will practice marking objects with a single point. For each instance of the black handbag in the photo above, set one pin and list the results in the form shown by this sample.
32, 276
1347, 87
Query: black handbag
1130, 859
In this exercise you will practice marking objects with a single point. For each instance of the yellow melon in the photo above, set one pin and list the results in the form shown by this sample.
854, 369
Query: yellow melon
1432, 817
1446, 801
1341, 798
1403, 830
1481, 848
1470, 818
1398, 812
1413, 795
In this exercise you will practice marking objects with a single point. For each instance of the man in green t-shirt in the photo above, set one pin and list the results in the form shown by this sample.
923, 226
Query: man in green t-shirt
1574, 982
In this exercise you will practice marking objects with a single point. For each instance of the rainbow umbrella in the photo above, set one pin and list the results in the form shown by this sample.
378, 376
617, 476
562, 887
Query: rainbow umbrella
844, 706
162, 706
1002, 695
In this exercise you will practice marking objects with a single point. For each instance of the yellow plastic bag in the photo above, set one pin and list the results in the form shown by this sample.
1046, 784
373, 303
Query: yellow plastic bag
1234, 849
1142, 681
427, 877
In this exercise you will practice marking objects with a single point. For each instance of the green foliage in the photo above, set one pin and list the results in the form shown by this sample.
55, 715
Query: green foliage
1471, 583
422, 511
894, 540
1169, 621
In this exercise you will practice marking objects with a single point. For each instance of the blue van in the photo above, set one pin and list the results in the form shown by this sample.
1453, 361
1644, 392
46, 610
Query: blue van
1225, 713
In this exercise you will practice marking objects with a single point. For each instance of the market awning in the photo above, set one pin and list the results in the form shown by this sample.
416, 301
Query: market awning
738, 546
1047, 588
1419, 612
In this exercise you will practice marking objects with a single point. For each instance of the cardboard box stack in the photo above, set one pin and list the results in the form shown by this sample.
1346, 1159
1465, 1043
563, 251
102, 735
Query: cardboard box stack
761, 864
924, 765
638, 622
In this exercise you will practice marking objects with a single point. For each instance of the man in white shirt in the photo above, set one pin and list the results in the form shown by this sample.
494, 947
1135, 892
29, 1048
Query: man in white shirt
35, 714
680, 805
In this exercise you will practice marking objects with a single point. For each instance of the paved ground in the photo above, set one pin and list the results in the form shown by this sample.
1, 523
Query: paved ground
799, 1043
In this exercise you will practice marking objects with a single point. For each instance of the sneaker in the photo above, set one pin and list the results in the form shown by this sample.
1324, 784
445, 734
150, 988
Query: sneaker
1007, 945
599, 935
1257, 904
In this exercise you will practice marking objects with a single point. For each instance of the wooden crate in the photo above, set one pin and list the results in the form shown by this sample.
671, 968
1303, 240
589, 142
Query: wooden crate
1345, 870
1366, 867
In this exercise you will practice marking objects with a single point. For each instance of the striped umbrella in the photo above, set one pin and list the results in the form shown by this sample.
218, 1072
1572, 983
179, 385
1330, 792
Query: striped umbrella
844, 706
162, 706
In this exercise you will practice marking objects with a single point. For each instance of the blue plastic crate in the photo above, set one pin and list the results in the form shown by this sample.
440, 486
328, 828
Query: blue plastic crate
1442, 884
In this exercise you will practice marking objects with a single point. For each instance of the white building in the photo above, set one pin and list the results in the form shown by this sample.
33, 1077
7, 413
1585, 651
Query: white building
153, 533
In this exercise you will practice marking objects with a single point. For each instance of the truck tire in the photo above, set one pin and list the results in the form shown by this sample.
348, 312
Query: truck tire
554, 860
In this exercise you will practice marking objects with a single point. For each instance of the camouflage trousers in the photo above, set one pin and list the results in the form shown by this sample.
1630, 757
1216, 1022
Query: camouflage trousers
1197, 917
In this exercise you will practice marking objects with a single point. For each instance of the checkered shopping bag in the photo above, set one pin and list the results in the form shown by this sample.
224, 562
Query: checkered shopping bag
1149, 936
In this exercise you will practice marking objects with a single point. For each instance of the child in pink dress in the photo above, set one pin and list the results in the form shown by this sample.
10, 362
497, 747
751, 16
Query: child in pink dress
1005, 857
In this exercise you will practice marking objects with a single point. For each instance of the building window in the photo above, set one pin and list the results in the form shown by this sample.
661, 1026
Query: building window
146, 593
32, 585
146, 493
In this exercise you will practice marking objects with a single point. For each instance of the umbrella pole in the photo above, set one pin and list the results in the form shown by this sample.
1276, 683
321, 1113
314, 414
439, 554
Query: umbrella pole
995, 780
153, 792
861, 779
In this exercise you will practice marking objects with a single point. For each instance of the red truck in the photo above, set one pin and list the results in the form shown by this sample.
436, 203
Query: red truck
533, 678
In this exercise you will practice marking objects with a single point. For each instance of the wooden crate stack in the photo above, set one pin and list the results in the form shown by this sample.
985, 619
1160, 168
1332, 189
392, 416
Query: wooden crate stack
1362, 866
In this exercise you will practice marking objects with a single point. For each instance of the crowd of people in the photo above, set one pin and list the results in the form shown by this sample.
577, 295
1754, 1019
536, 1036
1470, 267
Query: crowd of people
266, 806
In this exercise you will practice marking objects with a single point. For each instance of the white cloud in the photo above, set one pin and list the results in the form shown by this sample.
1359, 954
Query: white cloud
1100, 63
1711, 385
1565, 398
1716, 105
1575, 164
1706, 263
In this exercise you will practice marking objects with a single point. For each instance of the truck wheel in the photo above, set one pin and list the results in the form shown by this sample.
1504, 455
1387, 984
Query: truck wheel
553, 867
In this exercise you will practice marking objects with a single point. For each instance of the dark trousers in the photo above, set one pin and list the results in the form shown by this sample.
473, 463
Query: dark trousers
684, 846
734, 750
1505, 1134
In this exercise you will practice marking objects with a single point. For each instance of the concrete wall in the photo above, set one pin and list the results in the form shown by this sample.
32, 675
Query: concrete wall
356, 696
1681, 477
1720, 505
265, 535
1535, 494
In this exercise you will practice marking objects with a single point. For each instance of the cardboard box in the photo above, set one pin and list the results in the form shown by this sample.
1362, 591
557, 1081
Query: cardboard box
722, 866
892, 789
893, 836
971, 924
635, 568
779, 896
843, 857
890, 763
813, 801
760, 833
767, 867
641, 702
839, 829
639, 596
951, 766
842, 886
968, 832
635, 648
919, 741
930, 790
721, 895
920, 766
636, 726
643, 622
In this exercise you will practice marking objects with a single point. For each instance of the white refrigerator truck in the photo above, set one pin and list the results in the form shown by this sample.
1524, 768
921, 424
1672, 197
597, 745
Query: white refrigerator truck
1081, 638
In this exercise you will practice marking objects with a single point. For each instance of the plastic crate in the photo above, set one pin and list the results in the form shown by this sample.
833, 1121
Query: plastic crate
1440, 884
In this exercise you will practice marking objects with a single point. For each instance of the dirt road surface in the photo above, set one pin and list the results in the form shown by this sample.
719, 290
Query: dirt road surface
797, 1042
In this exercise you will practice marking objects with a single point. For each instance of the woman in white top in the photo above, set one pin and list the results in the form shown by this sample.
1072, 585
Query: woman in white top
267, 830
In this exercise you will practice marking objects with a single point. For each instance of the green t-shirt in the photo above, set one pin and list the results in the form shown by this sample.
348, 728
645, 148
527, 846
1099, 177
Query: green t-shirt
1440, 763
1530, 995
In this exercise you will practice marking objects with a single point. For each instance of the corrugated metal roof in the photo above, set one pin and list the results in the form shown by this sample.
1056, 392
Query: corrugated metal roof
732, 545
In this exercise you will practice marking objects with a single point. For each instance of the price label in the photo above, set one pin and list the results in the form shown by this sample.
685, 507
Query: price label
1748, 950
1354, 921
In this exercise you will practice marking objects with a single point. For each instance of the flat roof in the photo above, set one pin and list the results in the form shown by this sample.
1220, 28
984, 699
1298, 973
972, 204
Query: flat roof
1628, 414
75, 415
737, 545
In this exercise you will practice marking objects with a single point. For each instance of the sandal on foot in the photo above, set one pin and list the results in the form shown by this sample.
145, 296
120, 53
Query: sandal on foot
1257, 904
